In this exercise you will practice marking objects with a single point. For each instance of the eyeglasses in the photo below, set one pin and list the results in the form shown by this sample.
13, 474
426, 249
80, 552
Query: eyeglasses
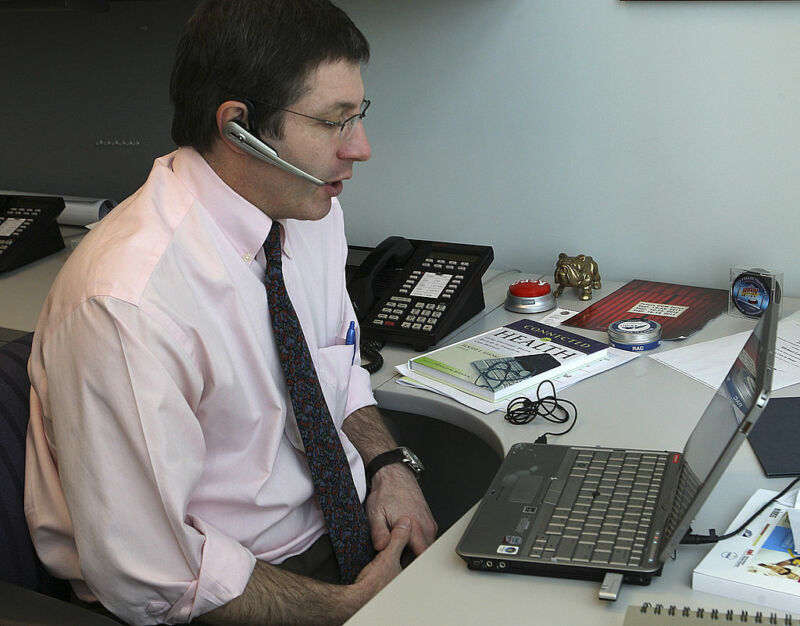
346, 127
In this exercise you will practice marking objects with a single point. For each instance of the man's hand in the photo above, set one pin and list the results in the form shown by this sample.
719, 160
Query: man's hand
396, 495
395, 492
386, 565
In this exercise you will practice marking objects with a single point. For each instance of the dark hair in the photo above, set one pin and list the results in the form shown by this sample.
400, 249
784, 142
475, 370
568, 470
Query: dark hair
258, 49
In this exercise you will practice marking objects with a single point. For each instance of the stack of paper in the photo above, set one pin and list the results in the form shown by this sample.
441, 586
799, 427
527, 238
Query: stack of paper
758, 565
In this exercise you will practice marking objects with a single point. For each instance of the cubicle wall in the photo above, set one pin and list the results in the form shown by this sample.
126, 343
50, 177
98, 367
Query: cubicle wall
660, 137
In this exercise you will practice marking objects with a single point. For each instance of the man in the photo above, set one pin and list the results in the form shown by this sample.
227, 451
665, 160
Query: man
167, 476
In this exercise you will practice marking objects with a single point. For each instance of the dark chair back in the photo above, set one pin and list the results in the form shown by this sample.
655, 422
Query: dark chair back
18, 561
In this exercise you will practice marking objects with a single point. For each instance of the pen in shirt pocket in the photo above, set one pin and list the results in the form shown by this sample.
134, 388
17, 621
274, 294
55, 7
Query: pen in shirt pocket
350, 340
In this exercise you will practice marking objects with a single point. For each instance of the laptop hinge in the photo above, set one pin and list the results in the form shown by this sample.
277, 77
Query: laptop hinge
609, 590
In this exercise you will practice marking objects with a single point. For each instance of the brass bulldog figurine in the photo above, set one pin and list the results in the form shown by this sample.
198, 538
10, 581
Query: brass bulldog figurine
580, 272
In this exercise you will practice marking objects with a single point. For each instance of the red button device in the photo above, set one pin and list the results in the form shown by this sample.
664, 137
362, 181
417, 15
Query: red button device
529, 288
529, 296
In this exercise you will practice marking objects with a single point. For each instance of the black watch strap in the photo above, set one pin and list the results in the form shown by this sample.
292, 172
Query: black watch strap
398, 455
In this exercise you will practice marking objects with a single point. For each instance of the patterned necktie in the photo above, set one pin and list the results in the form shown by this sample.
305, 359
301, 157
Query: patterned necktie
344, 515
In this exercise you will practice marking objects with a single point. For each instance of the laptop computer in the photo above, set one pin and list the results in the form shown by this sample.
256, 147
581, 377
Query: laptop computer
587, 512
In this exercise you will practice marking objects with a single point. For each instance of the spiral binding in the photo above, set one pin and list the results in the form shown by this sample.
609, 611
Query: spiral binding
668, 614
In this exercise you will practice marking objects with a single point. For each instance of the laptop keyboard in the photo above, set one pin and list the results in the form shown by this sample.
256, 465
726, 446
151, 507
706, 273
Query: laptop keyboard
602, 513
688, 486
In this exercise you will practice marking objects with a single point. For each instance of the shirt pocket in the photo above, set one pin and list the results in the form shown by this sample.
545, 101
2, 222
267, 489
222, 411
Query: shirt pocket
333, 371
335, 365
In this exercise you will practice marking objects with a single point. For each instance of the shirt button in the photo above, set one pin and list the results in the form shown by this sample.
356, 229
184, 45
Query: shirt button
247, 257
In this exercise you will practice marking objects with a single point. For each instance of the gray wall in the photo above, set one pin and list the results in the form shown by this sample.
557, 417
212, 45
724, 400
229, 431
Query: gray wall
660, 137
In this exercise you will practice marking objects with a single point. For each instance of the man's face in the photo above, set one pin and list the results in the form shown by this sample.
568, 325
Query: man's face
334, 92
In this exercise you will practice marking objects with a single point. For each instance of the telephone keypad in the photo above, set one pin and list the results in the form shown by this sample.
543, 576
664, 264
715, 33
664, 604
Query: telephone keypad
423, 296
28, 229
17, 220
413, 314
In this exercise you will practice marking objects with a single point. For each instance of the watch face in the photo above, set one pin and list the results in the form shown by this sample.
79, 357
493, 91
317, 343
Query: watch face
412, 460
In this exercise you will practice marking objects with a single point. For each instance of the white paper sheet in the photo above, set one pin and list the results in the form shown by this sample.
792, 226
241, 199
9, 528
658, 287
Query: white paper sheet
708, 362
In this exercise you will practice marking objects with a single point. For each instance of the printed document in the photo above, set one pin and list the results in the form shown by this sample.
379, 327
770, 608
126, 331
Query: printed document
708, 362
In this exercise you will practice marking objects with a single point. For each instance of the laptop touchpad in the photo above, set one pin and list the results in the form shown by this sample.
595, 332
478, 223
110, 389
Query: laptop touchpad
525, 487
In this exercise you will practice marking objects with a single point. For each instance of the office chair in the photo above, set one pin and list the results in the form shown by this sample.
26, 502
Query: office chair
28, 594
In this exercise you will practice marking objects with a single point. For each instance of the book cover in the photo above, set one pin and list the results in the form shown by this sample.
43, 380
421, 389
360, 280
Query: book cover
681, 310
508, 359
758, 565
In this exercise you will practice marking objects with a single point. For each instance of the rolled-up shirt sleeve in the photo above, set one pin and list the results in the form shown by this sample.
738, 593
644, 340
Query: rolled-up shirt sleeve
360, 391
128, 451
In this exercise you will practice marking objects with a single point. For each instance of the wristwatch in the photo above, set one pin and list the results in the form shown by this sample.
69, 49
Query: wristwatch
398, 455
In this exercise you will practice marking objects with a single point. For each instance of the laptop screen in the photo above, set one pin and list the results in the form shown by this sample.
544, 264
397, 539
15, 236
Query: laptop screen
726, 421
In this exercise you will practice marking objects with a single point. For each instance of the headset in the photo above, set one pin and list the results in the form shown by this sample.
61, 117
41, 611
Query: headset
240, 136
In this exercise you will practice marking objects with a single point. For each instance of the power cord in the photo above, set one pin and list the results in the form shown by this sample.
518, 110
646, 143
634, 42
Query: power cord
523, 410
713, 537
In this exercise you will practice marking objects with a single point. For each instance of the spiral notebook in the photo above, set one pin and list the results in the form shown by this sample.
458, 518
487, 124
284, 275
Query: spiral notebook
655, 615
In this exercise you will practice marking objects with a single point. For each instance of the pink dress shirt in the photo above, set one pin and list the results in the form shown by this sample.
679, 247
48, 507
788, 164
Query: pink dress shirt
163, 455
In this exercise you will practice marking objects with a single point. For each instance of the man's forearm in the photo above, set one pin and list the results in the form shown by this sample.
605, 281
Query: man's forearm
394, 492
275, 596
367, 431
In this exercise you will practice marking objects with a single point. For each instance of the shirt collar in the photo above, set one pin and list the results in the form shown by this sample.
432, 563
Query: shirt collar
244, 224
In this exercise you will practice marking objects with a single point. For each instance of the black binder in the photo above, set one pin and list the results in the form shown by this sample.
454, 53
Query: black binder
775, 435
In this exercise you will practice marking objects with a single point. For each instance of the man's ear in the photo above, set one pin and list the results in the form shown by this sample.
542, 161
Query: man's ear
232, 110
228, 111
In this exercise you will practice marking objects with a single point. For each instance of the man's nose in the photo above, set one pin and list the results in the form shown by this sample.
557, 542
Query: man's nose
356, 147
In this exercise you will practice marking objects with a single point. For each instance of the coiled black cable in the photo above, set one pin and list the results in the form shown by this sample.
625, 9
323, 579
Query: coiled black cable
371, 351
523, 410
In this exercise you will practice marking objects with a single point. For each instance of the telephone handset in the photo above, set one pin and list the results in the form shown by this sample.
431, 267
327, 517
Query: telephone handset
414, 291
28, 229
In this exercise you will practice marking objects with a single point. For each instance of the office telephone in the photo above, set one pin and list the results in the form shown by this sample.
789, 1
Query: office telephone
415, 292
28, 229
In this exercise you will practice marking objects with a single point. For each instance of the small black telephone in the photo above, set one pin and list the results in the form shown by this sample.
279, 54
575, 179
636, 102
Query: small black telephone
28, 229
415, 292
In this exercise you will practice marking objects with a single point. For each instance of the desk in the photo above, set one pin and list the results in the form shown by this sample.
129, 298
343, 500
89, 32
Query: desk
25, 289
641, 404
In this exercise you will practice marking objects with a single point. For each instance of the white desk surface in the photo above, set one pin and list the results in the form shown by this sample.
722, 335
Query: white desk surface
641, 404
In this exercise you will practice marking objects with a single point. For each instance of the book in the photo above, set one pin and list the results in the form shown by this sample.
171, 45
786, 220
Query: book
654, 615
508, 359
758, 565
681, 310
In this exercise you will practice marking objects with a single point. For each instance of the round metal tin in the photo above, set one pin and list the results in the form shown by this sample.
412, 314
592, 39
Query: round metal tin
635, 334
